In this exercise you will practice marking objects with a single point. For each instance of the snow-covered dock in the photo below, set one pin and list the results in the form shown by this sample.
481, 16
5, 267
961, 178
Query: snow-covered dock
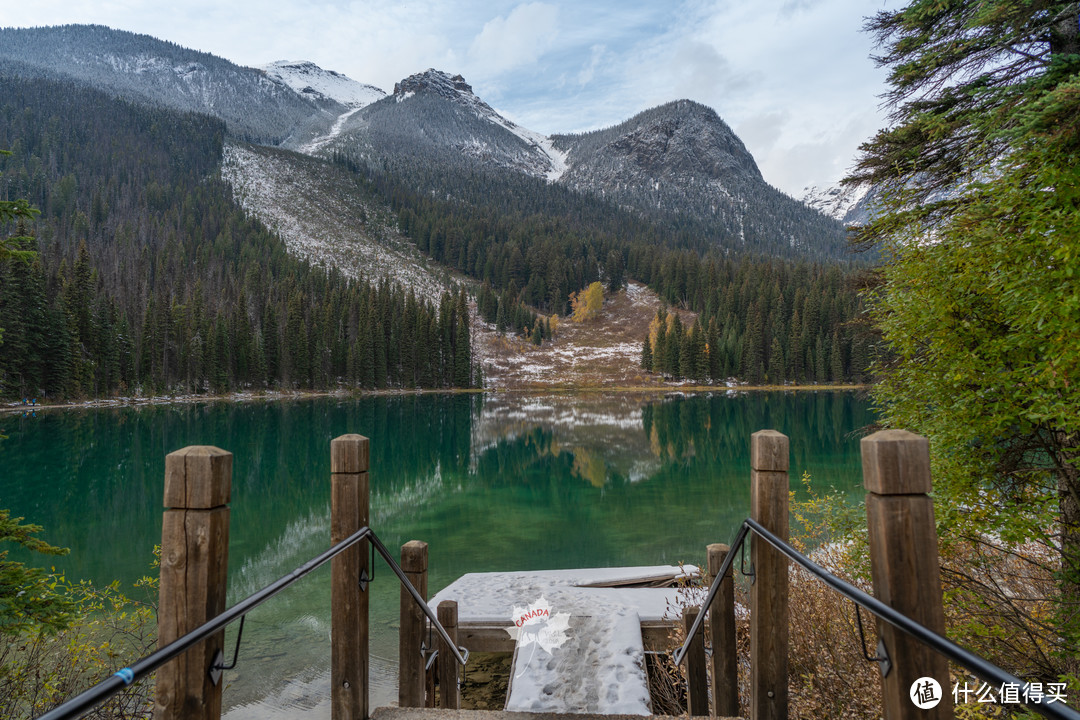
578, 636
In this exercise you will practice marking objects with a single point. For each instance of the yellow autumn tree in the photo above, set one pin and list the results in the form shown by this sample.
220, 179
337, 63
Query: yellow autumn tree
587, 303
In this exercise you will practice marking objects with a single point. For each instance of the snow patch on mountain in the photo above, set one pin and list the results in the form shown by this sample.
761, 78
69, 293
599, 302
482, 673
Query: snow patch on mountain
320, 214
314, 83
544, 144
318, 143
836, 201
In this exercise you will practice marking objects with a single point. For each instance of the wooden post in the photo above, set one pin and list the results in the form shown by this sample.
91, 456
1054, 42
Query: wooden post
904, 563
429, 682
725, 680
414, 563
194, 563
769, 592
349, 604
697, 682
449, 691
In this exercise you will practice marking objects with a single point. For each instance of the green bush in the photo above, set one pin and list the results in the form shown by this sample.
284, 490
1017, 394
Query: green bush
59, 638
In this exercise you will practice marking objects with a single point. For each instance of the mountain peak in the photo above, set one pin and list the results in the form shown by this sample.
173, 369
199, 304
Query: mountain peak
673, 143
689, 107
315, 83
436, 81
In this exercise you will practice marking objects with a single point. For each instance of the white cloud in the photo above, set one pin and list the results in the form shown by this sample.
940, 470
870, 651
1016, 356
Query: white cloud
762, 131
519, 39
799, 160
587, 73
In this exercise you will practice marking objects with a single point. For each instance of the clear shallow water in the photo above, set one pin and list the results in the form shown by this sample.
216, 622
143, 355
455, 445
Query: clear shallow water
494, 482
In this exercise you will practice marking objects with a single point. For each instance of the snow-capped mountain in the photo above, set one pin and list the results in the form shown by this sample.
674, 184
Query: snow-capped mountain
844, 203
681, 140
677, 160
552, 162
679, 163
253, 104
311, 81
671, 157
436, 115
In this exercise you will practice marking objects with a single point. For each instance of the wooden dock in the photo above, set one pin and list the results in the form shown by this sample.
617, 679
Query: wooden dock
595, 620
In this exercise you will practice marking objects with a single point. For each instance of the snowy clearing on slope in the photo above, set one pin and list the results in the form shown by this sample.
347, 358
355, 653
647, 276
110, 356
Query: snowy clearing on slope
323, 216
605, 351
316, 144
308, 79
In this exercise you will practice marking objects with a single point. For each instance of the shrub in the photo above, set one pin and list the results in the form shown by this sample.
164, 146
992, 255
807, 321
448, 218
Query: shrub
40, 668
999, 603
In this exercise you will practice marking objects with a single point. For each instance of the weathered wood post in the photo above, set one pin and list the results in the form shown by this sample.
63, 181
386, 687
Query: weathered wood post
449, 691
349, 458
725, 680
697, 682
429, 681
194, 563
769, 592
411, 681
904, 563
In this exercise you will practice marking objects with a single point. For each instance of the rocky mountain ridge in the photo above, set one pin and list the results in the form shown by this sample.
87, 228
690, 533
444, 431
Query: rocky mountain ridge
254, 105
679, 163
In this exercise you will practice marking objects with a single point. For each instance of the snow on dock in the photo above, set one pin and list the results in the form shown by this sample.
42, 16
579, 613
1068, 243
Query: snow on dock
579, 645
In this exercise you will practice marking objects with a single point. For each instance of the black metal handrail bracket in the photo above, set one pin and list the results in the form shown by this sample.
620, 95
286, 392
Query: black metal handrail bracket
981, 667
89, 699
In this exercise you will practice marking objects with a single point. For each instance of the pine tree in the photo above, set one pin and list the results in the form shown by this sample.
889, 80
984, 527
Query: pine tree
983, 337
715, 366
836, 359
270, 344
661, 342
701, 362
297, 359
776, 363
674, 340
462, 348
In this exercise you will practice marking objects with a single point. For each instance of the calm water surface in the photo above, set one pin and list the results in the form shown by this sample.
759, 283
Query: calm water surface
494, 482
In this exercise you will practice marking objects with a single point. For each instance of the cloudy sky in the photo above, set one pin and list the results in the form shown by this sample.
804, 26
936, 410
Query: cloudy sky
792, 77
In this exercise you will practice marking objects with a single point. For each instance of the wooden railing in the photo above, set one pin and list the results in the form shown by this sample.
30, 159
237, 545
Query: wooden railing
903, 553
907, 600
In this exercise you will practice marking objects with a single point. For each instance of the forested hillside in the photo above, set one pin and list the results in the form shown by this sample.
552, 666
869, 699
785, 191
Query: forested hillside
764, 318
149, 277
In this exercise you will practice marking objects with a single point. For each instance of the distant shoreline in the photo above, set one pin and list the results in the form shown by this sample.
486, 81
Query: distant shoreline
14, 408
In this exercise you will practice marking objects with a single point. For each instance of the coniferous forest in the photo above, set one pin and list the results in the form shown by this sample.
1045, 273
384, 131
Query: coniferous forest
763, 319
149, 277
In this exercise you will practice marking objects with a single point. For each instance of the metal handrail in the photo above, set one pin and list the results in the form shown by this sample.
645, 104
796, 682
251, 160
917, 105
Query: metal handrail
87, 700
981, 667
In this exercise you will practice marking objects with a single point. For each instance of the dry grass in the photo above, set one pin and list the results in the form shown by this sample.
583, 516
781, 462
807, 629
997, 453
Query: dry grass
828, 676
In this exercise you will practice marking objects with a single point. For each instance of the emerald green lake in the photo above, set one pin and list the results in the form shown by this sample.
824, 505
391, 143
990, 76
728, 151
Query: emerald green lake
491, 482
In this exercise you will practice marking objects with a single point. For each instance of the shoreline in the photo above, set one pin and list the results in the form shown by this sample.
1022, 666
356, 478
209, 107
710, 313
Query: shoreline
17, 407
